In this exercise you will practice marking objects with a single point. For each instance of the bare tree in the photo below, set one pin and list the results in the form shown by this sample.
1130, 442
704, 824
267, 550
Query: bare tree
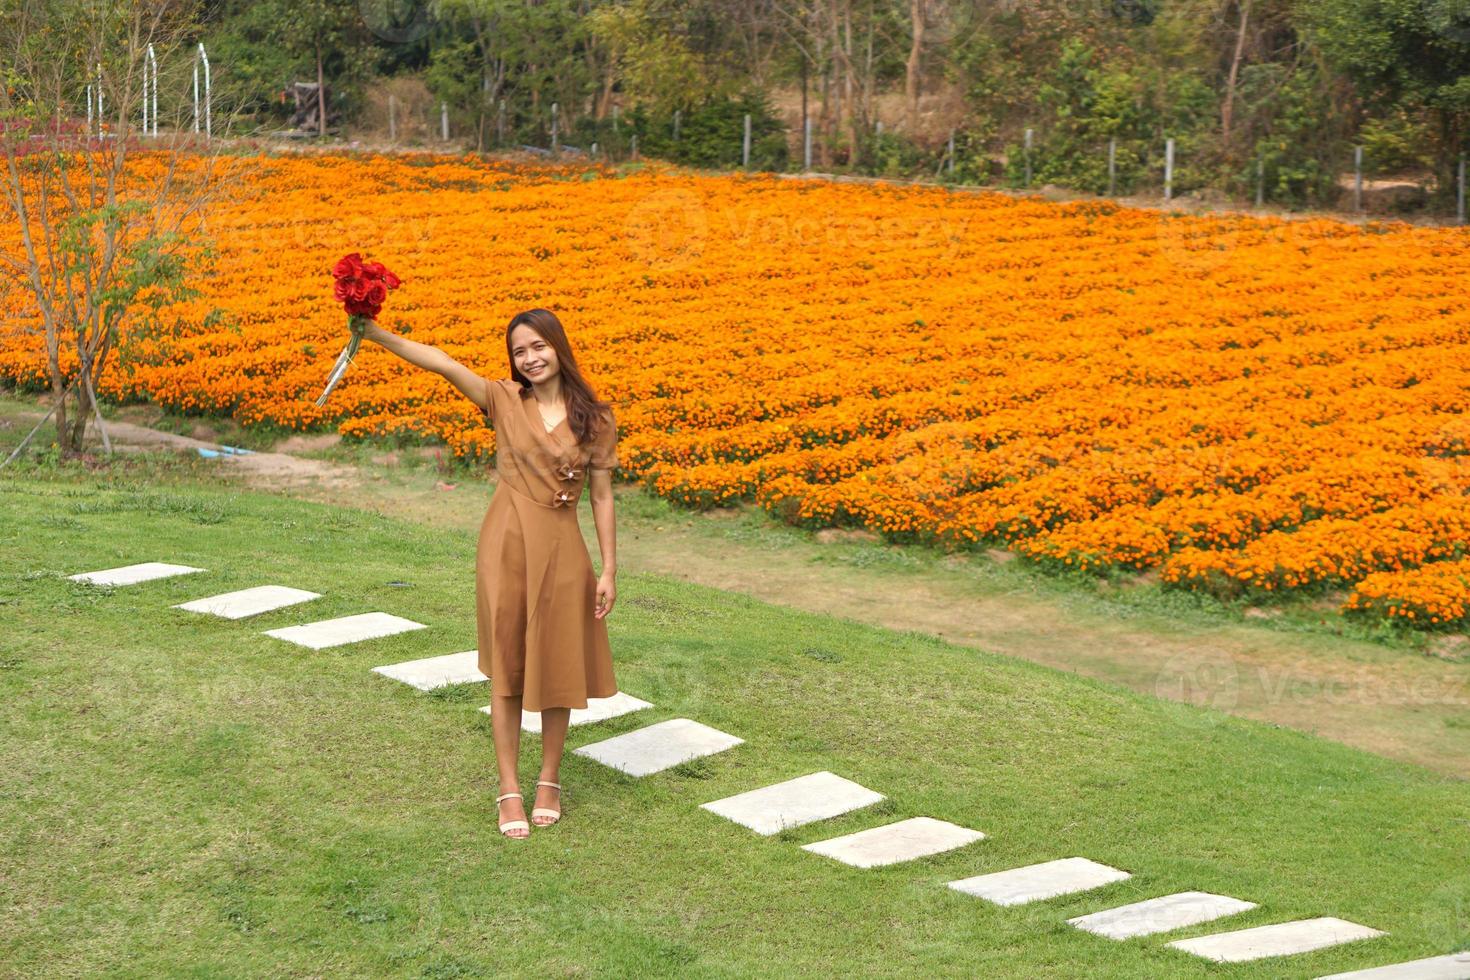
102, 245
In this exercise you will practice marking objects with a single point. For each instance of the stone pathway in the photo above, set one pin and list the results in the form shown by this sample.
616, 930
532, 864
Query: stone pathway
1035, 882
435, 672
132, 574
905, 840
249, 602
345, 629
1455, 966
1280, 939
659, 746
1163, 914
771, 809
823, 795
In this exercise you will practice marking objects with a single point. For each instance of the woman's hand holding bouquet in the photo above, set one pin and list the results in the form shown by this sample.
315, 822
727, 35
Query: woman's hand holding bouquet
362, 288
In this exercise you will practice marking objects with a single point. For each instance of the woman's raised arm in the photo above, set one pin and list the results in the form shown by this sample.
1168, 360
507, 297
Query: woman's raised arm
431, 358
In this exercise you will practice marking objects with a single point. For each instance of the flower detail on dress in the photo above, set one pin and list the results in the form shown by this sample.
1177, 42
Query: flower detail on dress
568, 471
562, 498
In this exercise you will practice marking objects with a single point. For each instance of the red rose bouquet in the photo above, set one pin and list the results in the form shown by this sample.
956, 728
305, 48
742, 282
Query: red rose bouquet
361, 287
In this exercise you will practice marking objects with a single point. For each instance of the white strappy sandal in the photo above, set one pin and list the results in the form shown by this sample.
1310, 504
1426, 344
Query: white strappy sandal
513, 824
546, 811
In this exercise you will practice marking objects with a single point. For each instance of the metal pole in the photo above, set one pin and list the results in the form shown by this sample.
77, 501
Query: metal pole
615, 119
1028, 156
1169, 169
1260, 181
204, 57
152, 69
594, 150
99, 98
635, 146
555, 141
1357, 178
806, 142
745, 147
392, 119
878, 128
1112, 166
951, 151
444, 121
500, 125
677, 113
90, 121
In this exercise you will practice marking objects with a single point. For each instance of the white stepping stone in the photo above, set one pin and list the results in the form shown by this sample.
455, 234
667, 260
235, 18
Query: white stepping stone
345, 629
432, 672
130, 574
905, 840
659, 746
1161, 914
598, 709
1455, 966
794, 802
1281, 939
249, 602
1037, 881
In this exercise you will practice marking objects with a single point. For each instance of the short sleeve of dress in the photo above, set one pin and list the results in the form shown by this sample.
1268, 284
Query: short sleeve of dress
489, 409
604, 454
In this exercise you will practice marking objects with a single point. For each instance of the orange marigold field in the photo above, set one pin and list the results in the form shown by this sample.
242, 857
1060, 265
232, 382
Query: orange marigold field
1253, 406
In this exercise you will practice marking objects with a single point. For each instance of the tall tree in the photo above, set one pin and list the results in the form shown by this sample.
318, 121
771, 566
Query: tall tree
99, 247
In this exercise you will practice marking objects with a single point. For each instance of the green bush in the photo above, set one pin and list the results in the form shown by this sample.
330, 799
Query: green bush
711, 134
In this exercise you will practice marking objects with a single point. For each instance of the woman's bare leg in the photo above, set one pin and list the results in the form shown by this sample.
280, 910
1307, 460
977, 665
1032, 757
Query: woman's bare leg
505, 723
553, 743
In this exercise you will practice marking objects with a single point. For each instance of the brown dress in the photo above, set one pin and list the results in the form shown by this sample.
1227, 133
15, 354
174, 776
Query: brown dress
535, 591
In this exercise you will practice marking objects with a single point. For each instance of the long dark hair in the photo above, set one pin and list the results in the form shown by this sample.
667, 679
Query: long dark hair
585, 413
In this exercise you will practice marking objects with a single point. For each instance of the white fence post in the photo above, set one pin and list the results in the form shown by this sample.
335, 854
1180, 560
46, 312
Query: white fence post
806, 142
1169, 169
1357, 178
201, 57
1029, 134
392, 118
745, 146
951, 151
444, 121
1112, 166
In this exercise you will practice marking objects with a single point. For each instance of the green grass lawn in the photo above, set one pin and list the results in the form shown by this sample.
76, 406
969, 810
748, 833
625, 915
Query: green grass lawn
187, 797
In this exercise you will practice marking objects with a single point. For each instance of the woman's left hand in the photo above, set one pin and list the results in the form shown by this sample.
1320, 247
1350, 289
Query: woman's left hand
607, 592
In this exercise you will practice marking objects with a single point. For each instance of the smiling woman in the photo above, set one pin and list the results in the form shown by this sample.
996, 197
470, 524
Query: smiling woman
539, 609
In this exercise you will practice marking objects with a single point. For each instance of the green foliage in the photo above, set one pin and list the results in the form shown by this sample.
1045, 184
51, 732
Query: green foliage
711, 133
890, 154
1396, 143
1300, 155
1084, 103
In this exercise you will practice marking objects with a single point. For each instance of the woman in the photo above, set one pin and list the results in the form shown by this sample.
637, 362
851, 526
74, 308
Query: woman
539, 610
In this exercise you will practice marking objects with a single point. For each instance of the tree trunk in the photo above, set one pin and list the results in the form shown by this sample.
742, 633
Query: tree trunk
321, 94
1227, 109
915, 62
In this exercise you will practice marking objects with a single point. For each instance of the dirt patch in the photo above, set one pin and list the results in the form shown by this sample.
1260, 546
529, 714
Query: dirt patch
308, 443
272, 471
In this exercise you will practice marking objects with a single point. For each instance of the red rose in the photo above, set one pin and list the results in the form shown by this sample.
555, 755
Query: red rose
362, 287
349, 266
